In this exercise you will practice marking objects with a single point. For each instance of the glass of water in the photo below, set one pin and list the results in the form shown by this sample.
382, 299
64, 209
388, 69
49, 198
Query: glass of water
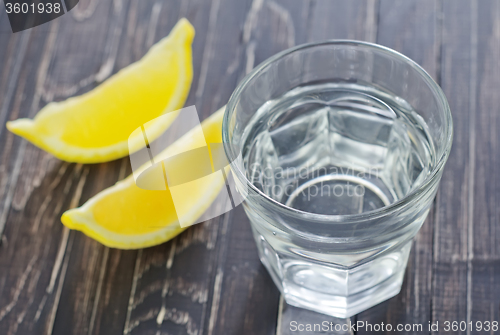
339, 147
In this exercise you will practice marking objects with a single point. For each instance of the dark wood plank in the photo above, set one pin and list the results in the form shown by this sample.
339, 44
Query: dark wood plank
115, 281
412, 28
85, 296
484, 271
89, 265
339, 19
91, 281
32, 259
228, 55
209, 279
174, 283
17, 78
24, 57
331, 20
47, 186
245, 299
222, 56
31, 255
451, 282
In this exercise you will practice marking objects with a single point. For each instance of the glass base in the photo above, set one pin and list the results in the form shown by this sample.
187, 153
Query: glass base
336, 291
341, 306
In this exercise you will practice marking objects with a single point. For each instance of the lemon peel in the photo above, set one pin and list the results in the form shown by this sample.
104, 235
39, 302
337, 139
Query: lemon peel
127, 217
95, 127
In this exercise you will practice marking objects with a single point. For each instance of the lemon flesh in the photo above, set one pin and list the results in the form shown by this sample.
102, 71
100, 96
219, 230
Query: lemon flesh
127, 217
95, 127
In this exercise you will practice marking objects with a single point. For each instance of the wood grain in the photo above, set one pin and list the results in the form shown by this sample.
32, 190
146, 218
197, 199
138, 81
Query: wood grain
412, 28
451, 282
331, 20
484, 269
92, 295
245, 299
209, 279
31, 270
338, 19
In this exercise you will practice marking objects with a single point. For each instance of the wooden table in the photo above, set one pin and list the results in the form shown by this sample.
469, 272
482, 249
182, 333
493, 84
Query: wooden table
209, 279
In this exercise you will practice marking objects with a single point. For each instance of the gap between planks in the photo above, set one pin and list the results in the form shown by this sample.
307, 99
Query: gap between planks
472, 155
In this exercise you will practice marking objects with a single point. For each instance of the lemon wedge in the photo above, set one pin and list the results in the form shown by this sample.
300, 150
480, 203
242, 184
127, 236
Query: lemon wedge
125, 216
95, 126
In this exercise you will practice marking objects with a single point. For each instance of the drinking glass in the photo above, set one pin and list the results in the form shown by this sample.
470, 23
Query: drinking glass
339, 147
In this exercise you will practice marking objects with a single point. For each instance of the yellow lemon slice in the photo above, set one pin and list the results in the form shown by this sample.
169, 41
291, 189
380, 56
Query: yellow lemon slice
95, 127
127, 217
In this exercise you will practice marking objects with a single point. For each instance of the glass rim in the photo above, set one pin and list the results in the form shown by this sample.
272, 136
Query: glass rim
391, 208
